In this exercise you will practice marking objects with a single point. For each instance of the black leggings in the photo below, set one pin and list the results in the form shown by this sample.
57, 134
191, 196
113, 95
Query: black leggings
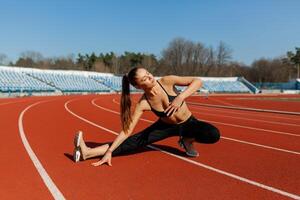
191, 128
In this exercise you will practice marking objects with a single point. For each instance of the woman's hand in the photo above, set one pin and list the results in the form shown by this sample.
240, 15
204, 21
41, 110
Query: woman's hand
174, 106
106, 159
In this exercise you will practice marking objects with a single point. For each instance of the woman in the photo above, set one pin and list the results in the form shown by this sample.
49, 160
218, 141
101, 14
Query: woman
161, 97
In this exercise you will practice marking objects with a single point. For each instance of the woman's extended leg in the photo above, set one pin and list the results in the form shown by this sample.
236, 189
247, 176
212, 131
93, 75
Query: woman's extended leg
155, 132
88, 152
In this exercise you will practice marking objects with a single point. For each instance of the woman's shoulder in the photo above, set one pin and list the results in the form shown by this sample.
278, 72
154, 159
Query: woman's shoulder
168, 79
143, 104
178, 80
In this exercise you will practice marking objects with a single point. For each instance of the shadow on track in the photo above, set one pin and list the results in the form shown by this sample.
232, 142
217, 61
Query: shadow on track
140, 150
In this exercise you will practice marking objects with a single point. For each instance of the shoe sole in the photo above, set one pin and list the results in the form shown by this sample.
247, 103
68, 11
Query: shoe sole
192, 155
77, 139
76, 155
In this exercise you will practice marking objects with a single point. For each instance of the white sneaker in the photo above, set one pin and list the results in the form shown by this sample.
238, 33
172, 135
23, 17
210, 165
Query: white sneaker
77, 150
77, 154
77, 139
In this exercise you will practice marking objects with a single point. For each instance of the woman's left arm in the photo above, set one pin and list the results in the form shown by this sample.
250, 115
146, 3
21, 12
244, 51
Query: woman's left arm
193, 84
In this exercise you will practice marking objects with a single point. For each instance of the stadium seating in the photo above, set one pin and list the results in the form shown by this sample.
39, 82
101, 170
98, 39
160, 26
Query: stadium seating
12, 80
70, 82
222, 85
17, 79
113, 82
225, 86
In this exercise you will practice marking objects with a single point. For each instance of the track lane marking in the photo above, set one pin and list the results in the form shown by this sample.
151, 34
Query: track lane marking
266, 187
38, 165
240, 112
249, 119
237, 112
245, 108
227, 138
247, 127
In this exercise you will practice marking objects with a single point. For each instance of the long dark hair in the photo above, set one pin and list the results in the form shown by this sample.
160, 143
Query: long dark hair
125, 104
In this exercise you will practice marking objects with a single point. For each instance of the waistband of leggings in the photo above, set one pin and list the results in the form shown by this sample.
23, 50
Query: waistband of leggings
181, 123
188, 120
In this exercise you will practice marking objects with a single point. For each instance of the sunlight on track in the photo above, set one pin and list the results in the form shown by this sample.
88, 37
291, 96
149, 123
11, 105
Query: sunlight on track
245, 108
198, 108
226, 138
247, 127
260, 185
248, 119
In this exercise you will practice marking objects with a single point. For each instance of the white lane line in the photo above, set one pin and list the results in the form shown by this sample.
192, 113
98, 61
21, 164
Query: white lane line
245, 108
247, 119
226, 138
202, 109
248, 127
252, 128
260, 145
247, 113
266, 187
38, 165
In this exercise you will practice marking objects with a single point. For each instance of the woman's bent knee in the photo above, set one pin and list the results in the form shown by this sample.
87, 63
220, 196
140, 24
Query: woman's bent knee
215, 136
210, 137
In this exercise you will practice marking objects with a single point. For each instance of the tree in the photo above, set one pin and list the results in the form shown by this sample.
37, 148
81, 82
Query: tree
210, 62
129, 60
185, 57
223, 54
29, 59
87, 62
25, 62
200, 58
81, 61
261, 69
269, 70
294, 59
91, 61
33, 55
173, 55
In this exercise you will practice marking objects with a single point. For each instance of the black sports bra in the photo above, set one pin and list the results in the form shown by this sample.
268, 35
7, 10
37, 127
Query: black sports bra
162, 113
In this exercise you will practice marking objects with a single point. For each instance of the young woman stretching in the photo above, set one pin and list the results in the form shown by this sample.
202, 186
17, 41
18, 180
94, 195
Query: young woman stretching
160, 97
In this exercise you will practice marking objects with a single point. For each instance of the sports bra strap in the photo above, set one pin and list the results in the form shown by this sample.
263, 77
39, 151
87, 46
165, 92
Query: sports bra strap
163, 88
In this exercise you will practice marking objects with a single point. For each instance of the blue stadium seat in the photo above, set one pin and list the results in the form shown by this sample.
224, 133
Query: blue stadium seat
13, 79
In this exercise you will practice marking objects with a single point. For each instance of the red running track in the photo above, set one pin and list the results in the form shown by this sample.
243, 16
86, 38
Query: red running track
253, 160
280, 102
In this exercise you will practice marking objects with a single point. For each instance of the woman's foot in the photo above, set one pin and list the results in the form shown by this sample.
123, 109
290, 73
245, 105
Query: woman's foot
80, 150
189, 147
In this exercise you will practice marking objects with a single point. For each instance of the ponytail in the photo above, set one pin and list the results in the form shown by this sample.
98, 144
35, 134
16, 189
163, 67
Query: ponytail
125, 104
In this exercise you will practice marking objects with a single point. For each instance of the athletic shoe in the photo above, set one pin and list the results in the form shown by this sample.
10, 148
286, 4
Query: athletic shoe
76, 154
77, 139
189, 151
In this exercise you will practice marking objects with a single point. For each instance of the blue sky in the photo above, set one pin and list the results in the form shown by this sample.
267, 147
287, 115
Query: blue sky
253, 29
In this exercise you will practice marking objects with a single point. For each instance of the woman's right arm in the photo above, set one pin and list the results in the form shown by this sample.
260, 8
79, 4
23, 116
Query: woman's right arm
123, 136
141, 106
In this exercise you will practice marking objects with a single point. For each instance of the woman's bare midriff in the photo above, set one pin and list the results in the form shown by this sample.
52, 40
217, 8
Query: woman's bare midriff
180, 116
